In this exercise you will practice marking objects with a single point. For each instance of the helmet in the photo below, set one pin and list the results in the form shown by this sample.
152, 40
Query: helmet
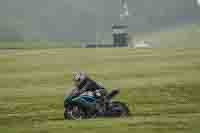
78, 76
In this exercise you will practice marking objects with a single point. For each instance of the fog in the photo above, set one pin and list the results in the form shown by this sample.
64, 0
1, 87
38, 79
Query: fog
76, 20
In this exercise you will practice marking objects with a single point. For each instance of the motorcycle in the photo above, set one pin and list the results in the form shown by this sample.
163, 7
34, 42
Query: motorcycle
85, 106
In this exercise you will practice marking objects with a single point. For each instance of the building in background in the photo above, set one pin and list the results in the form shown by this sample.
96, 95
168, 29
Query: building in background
120, 35
120, 31
142, 44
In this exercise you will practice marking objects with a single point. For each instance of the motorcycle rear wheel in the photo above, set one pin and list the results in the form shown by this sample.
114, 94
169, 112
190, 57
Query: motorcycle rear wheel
119, 109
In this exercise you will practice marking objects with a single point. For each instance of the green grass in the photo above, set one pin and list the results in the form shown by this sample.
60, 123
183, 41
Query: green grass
161, 87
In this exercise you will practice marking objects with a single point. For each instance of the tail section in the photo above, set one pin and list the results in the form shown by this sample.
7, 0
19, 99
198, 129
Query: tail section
113, 93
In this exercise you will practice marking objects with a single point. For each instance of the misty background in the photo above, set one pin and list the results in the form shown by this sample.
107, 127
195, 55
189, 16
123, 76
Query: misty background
76, 20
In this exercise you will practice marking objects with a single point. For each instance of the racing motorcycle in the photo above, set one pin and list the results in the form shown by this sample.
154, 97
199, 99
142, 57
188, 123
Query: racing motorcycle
86, 106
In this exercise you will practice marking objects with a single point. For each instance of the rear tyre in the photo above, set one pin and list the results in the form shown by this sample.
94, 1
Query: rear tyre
119, 109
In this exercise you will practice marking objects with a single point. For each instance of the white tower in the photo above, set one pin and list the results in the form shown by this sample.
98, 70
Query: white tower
124, 10
198, 2
120, 31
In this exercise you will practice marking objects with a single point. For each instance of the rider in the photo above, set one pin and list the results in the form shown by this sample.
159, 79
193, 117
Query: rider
83, 84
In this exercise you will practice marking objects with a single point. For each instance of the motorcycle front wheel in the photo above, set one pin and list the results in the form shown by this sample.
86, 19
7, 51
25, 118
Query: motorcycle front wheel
74, 113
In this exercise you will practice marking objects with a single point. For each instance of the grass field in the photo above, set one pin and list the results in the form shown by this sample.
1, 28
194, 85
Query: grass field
161, 86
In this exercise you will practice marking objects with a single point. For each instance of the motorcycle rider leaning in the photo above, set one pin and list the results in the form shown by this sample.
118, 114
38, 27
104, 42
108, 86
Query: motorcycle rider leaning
85, 85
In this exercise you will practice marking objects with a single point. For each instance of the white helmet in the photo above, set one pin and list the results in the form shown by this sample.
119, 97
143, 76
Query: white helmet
79, 76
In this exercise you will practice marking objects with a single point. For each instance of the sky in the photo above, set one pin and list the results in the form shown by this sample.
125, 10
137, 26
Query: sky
85, 19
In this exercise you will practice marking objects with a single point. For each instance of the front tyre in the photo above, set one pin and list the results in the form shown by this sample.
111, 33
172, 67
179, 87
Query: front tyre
74, 113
